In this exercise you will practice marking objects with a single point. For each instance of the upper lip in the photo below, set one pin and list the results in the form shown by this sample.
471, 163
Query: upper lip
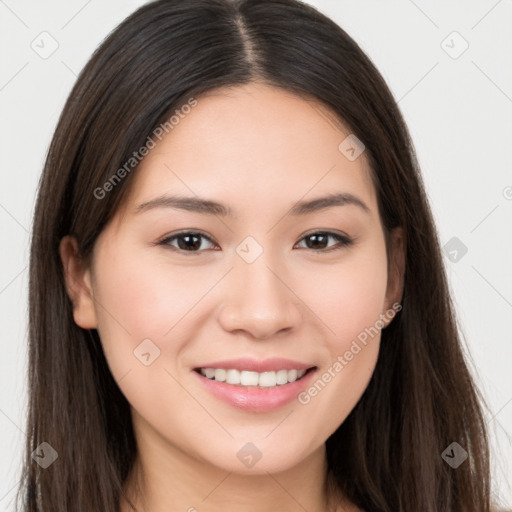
255, 365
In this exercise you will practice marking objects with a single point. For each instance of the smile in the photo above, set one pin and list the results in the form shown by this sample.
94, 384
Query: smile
255, 386
250, 378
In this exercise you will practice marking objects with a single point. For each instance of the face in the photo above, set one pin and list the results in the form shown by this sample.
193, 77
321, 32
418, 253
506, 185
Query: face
265, 283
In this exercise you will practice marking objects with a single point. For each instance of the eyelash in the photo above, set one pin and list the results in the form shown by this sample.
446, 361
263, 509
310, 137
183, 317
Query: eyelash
343, 241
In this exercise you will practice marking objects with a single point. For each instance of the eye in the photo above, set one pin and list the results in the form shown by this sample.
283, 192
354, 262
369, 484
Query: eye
192, 241
188, 241
317, 241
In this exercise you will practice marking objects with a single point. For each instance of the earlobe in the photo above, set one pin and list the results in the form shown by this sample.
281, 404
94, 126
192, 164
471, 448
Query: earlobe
78, 283
396, 273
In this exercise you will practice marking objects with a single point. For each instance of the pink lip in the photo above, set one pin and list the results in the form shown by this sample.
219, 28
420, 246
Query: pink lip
254, 399
254, 365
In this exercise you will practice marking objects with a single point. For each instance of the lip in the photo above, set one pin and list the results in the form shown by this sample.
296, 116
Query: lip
255, 365
254, 399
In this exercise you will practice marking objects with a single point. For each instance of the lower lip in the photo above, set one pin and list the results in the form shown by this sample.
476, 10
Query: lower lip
254, 399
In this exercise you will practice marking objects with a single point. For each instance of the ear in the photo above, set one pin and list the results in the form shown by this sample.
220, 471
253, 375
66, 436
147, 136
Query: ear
396, 271
78, 284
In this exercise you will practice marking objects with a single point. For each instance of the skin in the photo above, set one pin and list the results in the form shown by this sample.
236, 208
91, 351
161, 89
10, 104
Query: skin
258, 150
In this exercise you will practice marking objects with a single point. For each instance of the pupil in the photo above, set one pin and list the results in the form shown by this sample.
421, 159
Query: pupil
316, 238
187, 238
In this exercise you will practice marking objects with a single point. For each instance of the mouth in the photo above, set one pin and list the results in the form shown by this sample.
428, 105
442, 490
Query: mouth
255, 386
252, 379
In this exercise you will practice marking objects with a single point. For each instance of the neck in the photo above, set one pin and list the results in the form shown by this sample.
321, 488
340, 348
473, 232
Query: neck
164, 479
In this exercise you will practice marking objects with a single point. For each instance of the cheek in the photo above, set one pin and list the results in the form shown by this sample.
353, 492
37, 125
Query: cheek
348, 297
139, 299
144, 297
146, 311
349, 302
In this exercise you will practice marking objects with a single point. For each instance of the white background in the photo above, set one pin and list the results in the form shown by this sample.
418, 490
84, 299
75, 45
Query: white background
457, 109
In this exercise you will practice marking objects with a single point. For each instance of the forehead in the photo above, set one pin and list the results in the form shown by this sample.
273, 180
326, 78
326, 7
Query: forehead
253, 141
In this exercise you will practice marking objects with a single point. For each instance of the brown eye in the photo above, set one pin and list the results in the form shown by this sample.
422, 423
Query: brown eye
319, 241
190, 241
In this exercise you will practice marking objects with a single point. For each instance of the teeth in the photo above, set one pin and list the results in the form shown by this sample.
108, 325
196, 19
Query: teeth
248, 378
267, 380
209, 372
232, 376
282, 377
220, 374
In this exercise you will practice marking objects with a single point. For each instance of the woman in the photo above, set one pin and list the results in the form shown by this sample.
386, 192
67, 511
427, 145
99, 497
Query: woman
237, 296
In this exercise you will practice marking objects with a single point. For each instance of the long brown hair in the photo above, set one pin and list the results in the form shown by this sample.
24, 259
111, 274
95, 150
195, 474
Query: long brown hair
387, 455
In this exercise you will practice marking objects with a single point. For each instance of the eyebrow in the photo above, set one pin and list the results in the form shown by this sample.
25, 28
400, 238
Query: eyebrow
209, 207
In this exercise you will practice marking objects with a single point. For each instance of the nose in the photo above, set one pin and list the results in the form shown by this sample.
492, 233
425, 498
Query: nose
259, 301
